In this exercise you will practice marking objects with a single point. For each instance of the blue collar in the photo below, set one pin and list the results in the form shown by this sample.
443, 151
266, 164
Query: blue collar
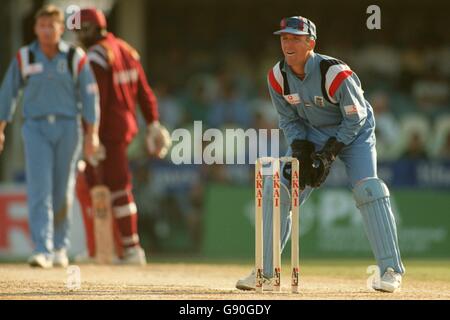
63, 46
310, 63
309, 66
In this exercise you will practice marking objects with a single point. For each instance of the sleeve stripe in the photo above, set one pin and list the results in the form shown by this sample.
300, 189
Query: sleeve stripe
95, 57
98, 49
331, 73
276, 79
81, 63
273, 82
340, 77
78, 61
23, 58
19, 60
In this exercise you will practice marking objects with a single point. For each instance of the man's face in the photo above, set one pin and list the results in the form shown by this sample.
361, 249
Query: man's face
48, 30
295, 47
87, 34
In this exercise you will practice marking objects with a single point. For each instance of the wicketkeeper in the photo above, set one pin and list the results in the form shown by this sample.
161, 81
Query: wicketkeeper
122, 84
324, 116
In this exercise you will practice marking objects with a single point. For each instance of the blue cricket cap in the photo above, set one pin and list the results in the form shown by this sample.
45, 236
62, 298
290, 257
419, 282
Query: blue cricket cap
297, 25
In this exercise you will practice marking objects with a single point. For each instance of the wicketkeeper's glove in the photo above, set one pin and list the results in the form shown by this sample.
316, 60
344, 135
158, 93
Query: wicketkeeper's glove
100, 155
158, 140
323, 159
303, 151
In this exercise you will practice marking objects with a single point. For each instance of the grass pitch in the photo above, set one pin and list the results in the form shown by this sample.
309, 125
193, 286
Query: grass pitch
200, 280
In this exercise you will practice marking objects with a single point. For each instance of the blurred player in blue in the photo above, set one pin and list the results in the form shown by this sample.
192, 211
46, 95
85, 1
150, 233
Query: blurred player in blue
58, 86
324, 116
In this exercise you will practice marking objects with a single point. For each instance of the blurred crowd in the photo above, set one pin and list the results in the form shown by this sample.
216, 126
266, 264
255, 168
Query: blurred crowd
408, 90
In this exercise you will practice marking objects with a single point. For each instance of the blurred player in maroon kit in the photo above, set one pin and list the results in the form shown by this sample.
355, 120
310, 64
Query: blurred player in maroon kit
122, 84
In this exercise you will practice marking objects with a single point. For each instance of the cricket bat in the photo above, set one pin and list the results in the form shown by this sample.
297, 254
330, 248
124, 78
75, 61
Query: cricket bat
103, 227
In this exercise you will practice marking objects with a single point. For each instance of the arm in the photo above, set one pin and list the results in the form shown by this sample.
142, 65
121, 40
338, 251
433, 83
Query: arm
354, 114
158, 138
2, 135
88, 92
146, 97
102, 77
102, 74
295, 133
353, 108
9, 91
289, 121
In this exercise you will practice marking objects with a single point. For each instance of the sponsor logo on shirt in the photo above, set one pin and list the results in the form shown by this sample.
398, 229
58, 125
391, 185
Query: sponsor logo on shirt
92, 88
62, 66
34, 68
293, 98
350, 110
319, 101
126, 76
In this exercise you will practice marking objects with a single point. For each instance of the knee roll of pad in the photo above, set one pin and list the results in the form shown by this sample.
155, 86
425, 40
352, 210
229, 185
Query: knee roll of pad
370, 190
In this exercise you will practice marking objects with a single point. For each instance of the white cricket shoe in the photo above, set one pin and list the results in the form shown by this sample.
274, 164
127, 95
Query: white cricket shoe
249, 283
40, 260
390, 281
60, 258
133, 256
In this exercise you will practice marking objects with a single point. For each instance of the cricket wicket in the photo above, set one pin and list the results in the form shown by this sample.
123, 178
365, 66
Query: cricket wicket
295, 205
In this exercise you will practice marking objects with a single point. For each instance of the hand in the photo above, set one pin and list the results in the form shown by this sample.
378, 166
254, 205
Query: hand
2, 135
93, 151
98, 156
323, 159
303, 151
158, 140
2, 141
